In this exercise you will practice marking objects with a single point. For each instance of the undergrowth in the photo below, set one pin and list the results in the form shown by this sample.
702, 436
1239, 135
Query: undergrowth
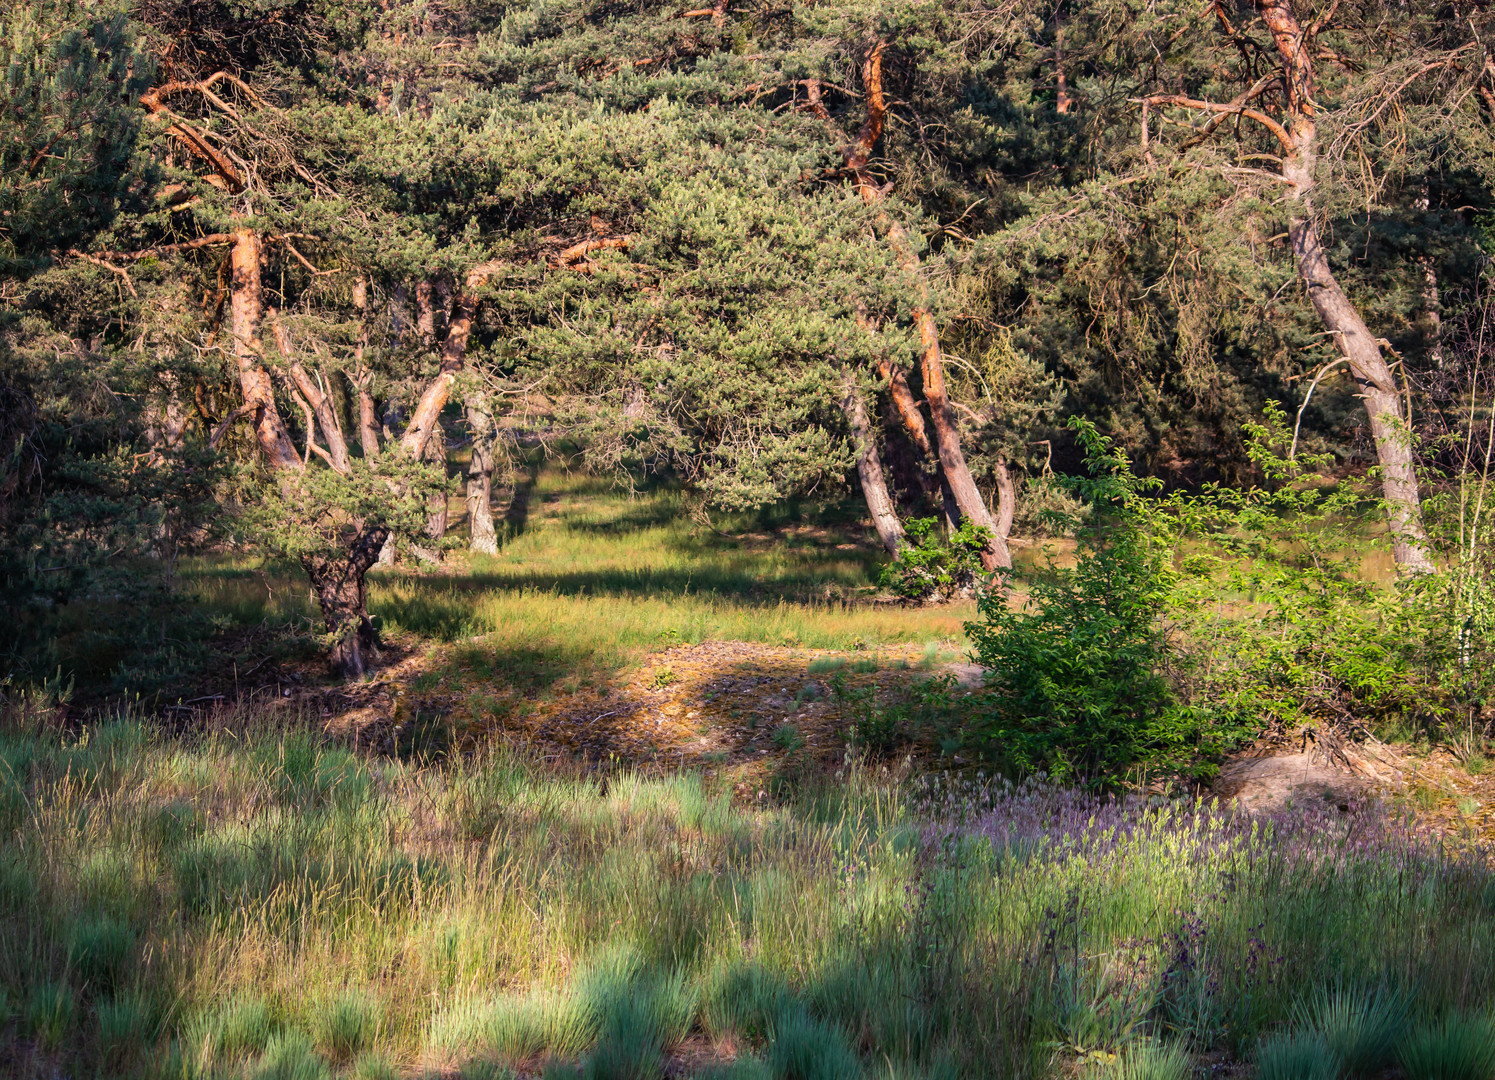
252, 901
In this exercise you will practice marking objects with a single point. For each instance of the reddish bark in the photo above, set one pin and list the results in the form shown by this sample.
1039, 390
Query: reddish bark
946, 429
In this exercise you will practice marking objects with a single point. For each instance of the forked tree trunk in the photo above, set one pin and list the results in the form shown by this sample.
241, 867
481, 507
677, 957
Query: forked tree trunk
482, 536
869, 469
946, 430
342, 594
1378, 387
337, 581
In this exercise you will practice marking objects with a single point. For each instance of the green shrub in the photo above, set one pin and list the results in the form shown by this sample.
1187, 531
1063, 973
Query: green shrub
1457, 1048
1077, 683
1360, 1025
1297, 1056
931, 567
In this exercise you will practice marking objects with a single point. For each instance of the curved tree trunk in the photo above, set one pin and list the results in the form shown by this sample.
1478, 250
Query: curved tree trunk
946, 430
1006, 499
869, 470
1378, 387
342, 595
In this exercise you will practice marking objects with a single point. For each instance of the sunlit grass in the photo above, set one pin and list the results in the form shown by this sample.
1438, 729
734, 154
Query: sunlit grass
589, 578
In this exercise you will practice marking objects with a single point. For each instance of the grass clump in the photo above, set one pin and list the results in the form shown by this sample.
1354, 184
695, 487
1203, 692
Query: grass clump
343, 1026
101, 951
289, 1056
1297, 1056
49, 1012
1459, 1047
1150, 1060
805, 1048
242, 1025
1361, 1025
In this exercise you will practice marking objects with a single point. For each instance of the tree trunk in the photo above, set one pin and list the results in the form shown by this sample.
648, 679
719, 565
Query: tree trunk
453, 350
321, 404
869, 469
342, 595
362, 378
482, 537
1006, 499
338, 581
1339, 316
946, 431
246, 307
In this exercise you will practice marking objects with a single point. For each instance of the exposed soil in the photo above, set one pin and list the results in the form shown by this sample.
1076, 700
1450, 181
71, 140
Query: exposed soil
741, 712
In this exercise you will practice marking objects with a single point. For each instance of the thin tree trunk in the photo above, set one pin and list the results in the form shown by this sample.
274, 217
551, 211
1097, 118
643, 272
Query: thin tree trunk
1339, 316
869, 469
946, 430
362, 378
321, 405
482, 537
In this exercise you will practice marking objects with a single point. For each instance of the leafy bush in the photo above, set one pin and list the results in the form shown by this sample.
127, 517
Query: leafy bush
931, 567
1079, 674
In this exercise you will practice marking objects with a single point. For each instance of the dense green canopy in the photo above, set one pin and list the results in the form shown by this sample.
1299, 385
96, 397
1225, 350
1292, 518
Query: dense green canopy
259, 260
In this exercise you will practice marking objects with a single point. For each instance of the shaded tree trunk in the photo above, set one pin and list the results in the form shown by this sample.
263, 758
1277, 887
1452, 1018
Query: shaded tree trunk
869, 470
1339, 316
342, 595
482, 537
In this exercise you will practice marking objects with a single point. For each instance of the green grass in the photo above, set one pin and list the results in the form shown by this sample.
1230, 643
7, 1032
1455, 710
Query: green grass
251, 902
592, 578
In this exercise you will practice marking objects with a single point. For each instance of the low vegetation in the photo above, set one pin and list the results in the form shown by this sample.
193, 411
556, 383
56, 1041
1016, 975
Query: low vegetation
253, 901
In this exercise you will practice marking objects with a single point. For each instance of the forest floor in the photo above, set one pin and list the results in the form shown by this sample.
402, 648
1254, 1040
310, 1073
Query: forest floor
614, 627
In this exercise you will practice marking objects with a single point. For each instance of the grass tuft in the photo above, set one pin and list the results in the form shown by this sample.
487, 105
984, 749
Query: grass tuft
289, 1056
1459, 1047
1297, 1056
1361, 1025
343, 1026
49, 1012
804, 1048
1149, 1060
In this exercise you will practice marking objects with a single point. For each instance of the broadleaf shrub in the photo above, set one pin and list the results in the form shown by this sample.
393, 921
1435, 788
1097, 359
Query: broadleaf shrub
933, 567
1081, 673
